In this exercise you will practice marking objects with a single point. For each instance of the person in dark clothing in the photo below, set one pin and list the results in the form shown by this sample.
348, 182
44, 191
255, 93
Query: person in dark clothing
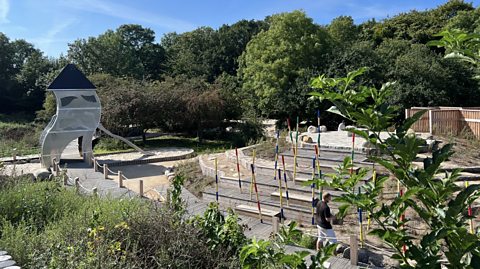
326, 234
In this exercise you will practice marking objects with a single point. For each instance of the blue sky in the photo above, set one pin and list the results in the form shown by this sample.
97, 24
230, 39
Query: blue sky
52, 24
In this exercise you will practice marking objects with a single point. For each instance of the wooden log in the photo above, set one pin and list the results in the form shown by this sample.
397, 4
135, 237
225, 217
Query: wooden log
353, 250
120, 179
105, 171
140, 187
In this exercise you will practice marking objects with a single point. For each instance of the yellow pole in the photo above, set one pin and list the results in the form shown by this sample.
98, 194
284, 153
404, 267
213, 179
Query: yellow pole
374, 177
295, 155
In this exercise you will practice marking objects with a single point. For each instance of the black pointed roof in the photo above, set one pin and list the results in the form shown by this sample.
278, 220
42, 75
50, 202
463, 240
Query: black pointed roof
70, 78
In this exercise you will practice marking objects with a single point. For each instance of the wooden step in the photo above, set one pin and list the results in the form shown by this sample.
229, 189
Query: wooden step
294, 198
252, 211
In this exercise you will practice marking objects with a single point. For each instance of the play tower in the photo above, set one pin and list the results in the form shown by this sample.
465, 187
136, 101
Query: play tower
78, 115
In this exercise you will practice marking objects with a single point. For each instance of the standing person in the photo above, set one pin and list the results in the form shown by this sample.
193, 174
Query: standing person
326, 235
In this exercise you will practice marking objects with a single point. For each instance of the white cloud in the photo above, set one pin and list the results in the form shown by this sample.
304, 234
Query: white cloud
4, 9
131, 14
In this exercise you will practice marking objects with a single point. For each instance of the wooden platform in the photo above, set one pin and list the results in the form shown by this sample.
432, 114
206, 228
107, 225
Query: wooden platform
252, 211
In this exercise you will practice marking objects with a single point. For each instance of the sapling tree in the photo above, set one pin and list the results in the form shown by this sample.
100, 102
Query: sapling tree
430, 194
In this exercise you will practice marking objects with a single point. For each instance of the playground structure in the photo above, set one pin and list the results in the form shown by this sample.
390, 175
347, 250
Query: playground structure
77, 117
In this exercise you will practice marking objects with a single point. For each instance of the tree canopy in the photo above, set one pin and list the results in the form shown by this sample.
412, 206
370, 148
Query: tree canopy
251, 68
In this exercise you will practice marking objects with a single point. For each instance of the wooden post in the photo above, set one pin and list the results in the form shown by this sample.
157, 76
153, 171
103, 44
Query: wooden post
95, 165
275, 224
353, 250
54, 161
430, 121
406, 113
77, 183
65, 179
140, 187
120, 179
95, 191
105, 171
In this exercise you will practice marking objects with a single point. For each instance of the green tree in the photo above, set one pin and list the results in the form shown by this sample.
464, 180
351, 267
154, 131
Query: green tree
193, 54
274, 58
129, 51
343, 30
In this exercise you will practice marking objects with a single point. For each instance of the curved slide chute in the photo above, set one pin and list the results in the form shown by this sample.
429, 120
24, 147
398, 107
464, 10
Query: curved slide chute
128, 142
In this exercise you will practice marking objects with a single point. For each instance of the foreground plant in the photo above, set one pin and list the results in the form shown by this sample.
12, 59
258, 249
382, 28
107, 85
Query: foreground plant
430, 193
273, 254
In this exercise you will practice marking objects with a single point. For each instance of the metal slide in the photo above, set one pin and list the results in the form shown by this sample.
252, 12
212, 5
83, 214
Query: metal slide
128, 142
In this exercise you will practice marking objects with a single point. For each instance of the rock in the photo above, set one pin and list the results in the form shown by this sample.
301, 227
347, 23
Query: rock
363, 255
346, 253
341, 126
307, 139
341, 248
376, 259
3, 253
7, 263
410, 132
323, 129
5, 258
312, 129
13, 267
41, 174
229, 129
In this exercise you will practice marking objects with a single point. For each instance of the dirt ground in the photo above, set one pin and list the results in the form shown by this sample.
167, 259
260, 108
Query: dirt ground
467, 151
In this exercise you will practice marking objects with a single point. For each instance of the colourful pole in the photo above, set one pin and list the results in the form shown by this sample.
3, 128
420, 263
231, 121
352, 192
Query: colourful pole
313, 192
252, 179
318, 122
290, 134
353, 152
470, 212
216, 180
276, 157
285, 178
360, 220
238, 171
374, 177
317, 157
402, 219
295, 155
281, 194
256, 192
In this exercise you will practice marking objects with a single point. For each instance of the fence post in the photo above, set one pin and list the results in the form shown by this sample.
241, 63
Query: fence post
140, 187
120, 179
275, 224
77, 184
105, 171
54, 161
95, 165
430, 121
95, 191
353, 250
406, 113
65, 179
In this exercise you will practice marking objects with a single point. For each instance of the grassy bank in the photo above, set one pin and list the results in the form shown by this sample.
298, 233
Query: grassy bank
19, 138
58, 228
110, 145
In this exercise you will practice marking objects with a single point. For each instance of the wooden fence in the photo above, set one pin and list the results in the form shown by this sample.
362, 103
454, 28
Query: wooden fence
447, 121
